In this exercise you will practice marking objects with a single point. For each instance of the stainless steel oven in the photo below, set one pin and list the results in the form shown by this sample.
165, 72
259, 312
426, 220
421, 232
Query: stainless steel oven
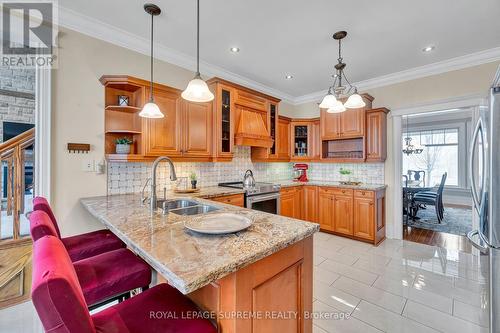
269, 203
264, 197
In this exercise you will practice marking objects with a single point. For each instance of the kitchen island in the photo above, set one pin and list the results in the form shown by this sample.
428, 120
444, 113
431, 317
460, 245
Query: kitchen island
257, 280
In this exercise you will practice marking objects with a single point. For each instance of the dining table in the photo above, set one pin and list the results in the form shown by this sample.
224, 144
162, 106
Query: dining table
409, 191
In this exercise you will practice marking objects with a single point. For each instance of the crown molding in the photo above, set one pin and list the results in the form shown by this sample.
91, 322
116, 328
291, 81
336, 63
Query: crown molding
469, 60
86, 25
97, 29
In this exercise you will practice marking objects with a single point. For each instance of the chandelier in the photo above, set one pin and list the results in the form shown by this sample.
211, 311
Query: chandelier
410, 148
338, 90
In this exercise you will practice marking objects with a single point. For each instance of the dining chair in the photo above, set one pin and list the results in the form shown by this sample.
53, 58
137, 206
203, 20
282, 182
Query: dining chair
406, 200
80, 246
104, 278
417, 175
59, 301
432, 198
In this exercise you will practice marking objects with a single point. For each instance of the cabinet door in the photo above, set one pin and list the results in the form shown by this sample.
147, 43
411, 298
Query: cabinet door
342, 214
287, 203
283, 139
299, 200
352, 123
197, 128
301, 140
310, 203
315, 140
325, 210
364, 218
376, 136
330, 125
223, 122
163, 135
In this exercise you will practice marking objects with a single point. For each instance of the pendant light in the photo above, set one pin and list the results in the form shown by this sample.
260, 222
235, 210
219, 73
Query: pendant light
337, 90
410, 148
197, 89
150, 109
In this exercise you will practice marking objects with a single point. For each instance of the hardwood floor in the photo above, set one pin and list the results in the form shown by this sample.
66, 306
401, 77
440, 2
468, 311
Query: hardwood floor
442, 239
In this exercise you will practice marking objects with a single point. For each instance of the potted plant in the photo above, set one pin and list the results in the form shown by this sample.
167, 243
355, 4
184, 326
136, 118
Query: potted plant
194, 180
345, 173
123, 145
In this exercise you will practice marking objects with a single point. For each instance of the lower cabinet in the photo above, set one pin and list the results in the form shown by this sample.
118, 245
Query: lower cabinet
234, 199
291, 202
358, 214
342, 214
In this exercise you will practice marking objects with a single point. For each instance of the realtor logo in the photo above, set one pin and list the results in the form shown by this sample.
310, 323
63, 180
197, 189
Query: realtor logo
28, 31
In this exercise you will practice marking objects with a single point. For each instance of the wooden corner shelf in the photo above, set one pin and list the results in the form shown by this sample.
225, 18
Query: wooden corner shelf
123, 108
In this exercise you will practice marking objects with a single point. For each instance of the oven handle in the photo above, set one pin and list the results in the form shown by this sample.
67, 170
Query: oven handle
259, 198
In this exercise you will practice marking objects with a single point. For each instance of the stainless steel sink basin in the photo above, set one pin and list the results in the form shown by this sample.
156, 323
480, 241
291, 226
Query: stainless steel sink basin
168, 205
194, 210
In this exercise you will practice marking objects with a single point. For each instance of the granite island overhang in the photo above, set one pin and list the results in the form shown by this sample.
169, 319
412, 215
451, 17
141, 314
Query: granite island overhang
265, 269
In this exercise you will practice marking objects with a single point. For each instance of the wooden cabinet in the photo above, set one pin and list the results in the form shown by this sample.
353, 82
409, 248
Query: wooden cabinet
316, 140
300, 140
197, 129
163, 135
330, 125
343, 206
358, 214
310, 205
223, 124
325, 209
348, 124
291, 202
234, 199
283, 144
376, 135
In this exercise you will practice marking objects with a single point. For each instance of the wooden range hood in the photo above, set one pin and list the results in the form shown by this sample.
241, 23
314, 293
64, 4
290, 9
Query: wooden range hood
251, 129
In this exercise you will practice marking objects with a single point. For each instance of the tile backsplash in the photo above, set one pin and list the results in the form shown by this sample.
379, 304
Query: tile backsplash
130, 177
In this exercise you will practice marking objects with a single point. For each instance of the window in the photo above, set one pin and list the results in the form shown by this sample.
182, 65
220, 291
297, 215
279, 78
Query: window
441, 154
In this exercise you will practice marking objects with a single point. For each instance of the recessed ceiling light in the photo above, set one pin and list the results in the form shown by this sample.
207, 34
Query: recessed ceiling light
289, 77
428, 48
234, 49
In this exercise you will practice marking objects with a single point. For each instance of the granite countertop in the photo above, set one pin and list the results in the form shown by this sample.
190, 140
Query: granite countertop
186, 259
367, 187
209, 192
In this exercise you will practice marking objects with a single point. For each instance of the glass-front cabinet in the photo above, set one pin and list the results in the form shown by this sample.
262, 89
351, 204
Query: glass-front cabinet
301, 135
223, 121
273, 121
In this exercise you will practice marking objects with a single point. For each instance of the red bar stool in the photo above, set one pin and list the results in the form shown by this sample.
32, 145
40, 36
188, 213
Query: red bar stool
105, 277
60, 303
84, 245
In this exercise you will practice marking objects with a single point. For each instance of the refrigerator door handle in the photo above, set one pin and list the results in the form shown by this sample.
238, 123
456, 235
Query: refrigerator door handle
483, 248
475, 195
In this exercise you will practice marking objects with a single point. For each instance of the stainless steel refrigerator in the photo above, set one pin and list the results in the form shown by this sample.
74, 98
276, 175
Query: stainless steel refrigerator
484, 169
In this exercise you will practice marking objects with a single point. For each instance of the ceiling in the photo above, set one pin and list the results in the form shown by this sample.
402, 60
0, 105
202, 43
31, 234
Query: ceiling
282, 37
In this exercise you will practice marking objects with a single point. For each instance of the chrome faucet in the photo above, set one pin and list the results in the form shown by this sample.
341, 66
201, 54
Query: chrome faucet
153, 201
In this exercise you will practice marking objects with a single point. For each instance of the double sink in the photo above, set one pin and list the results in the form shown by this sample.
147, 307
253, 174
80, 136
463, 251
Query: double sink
184, 207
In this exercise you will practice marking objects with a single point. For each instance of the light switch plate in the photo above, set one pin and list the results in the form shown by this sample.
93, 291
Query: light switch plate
88, 166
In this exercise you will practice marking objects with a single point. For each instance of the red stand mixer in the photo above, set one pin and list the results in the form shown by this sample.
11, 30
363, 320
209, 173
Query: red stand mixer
300, 172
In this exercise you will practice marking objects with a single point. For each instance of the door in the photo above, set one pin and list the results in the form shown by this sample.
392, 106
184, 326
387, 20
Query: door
364, 218
283, 139
197, 134
164, 134
310, 203
325, 210
342, 214
330, 125
352, 123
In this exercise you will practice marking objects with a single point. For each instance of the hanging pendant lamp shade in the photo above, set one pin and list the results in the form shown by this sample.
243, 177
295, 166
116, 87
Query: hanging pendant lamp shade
150, 109
328, 101
355, 101
337, 107
197, 89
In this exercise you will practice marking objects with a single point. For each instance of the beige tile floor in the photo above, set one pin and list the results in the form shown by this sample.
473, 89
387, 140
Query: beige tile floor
398, 286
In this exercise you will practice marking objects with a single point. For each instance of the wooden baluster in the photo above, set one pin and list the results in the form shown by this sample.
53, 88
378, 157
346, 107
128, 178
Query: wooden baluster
9, 186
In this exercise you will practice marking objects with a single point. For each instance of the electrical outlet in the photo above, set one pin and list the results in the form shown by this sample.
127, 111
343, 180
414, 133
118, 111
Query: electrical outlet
88, 166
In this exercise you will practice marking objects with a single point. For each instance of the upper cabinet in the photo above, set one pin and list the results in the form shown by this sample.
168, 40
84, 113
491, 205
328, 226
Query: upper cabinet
223, 128
283, 139
376, 135
305, 140
197, 129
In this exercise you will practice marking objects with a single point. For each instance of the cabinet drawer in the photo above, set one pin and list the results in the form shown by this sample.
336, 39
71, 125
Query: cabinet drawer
364, 194
235, 199
290, 189
342, 191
